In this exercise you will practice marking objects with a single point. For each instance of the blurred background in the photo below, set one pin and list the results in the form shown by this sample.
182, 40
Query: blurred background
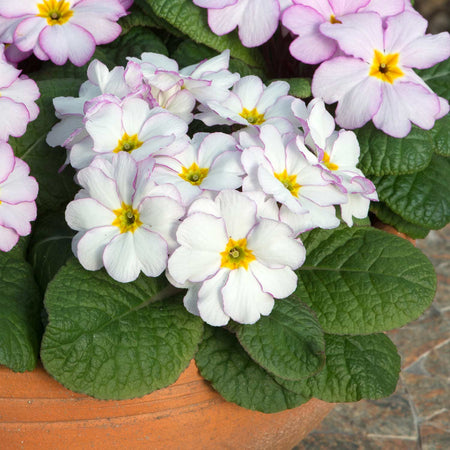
417, 415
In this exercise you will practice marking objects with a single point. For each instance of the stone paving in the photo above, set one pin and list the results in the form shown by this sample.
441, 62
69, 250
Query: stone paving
417, 415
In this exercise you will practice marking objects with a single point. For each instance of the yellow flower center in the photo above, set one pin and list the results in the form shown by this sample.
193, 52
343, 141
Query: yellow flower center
194, 174
56, 12
128, 143
333, 19
385, 67
236, 254
289, 182
127, 218
253, 117
326, 162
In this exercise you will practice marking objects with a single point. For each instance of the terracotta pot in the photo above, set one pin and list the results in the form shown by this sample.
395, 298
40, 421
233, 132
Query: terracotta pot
36, 412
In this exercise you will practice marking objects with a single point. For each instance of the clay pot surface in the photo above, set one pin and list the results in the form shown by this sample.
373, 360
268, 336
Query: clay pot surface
36, 412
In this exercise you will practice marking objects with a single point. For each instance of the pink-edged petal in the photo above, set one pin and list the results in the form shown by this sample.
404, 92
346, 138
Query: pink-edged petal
323, 195
260, 28
271, 94
17, 9
272, 244
27, 33
313, 48
358, 34
162, 124
238, 212
187, 264
120, 258
343, 7
18, 216
399, 107
203, 232
214, 4
191, 298
334, 78
222, 21
321, 124
8, 238
279, 283
87, 213
82, 154
125, 171
384, 8
105, 127
20, 188
360, 104
210, 304
212, 145
345, 151
100, 187
7, 160
68, 41
249, 90
89, 249
243, 298
151, 250
15, 118
135, 112
24, 90
357, 206
402, 30
303, 20
426, 51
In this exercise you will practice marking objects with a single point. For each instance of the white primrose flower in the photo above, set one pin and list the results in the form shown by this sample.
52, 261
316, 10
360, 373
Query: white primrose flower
233, 262
70, 110
251, 104
125, 222
282, 169
210, 162
130, 126
337, 152
177, 90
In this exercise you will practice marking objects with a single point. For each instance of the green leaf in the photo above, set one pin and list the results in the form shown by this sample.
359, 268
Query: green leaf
300, 87
422, 198
288, 342
50, 247
55, 188
387, 216
385, 155
20, 306
137, 18
223, 362
437, 78
441, 136
135, 42
356, 367
362, 280
113, 340
192, 20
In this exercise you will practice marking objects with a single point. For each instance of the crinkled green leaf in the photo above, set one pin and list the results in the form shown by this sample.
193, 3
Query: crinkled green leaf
437, 78
55, 188
20, 306
50, 246
137, 18
137, 41
422, 198
385, 155
192, 20
356, 367
288, 343
231, 371
441, 136
113, 340
387, 216
300, 87
363, 280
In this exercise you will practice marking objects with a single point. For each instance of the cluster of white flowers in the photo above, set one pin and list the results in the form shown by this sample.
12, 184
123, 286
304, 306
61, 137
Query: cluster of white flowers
221, 213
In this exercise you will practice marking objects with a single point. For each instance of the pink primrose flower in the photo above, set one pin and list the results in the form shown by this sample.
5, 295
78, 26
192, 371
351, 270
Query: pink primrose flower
63, 29
376, 80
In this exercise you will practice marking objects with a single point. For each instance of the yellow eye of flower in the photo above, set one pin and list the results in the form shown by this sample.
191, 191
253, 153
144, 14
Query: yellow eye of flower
127, 218
236, 254
128, 143
385, 67
194, 174
333, 19
253, 117
56, 12
289, 181
326, 162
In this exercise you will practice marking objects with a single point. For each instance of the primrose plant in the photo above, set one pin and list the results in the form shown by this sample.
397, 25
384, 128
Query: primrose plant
193, 205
